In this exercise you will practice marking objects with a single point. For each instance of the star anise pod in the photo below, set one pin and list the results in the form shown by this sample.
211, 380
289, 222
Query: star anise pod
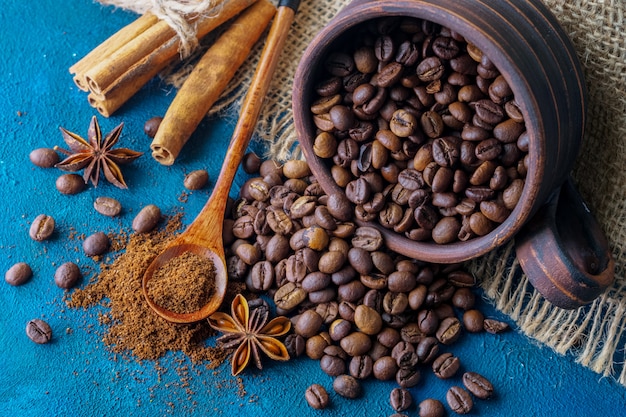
96, 154
250, 332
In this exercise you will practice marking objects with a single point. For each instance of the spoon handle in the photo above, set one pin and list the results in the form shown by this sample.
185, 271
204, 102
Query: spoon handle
253, 102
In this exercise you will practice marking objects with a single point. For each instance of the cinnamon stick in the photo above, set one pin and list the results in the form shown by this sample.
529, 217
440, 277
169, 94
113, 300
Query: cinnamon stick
109, 46
208, 80
139, 73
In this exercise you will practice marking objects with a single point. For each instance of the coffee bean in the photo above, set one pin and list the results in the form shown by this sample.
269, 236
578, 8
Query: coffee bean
96, 244
385, 368
367, 320
107, 206
70, 184
367, 238
146, 220
347, 386
44, 157
289, 296
400, 399
459, 400
361, 366
38, 331
477, 385
431, 408
42, 227
67, 275
308, 324
196, 179
356, 343
495, 326
18, 274
317, 397
446, 365
295, 345
151, 126
449, 330
473, 321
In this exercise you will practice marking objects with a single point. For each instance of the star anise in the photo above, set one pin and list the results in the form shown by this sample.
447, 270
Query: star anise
251, 332
96, 154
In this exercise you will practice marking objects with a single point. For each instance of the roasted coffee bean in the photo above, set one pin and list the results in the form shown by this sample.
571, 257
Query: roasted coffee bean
403, 124
44, 157
449, 330
459, 400
317, 397
151, 126
446, 365
261, 277
427, 349
196, 180
332, 364
473, 321
289, 296
367, 320
347, 386
315, 345
430, 69
400, 399
368, 238
408, 377
67, 275
295, 345
431, 408
96, 244
38, 331
107, 206
385, 368
70, 184
495, 326
361, 366
463, 298
478, 385
147, 219
339, 64
308, 324
339, 329
41, 228
18, 274
365, 60
356, 343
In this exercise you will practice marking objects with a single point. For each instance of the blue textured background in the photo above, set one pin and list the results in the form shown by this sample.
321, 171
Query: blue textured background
75, 375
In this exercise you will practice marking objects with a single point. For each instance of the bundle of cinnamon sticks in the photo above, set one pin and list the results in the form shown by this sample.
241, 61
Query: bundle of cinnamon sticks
115, 70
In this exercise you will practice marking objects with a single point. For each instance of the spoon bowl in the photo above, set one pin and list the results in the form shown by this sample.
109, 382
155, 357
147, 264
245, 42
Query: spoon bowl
204, 235
220, 283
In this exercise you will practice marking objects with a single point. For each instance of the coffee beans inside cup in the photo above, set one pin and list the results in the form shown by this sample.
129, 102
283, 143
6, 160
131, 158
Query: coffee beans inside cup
421, 130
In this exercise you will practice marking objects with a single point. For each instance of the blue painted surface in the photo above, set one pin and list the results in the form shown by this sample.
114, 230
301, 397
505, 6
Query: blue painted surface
75, 375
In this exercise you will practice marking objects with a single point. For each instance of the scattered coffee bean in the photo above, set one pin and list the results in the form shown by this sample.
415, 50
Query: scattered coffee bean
38, 331
478, 385
67, 275
446, 365
42, 227
196, 180
70, 184
400, 399
251, 163
459, 400
473, 321
18, 274
44, 157
431, 408
107, 206
147, 219
151, 126
347, 386
96, 244
495, 326
317, 397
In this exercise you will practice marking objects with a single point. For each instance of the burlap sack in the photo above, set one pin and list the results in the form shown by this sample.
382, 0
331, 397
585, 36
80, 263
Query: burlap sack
592, 334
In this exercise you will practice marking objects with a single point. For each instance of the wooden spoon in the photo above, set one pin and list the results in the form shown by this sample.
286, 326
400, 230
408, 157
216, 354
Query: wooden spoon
204, 235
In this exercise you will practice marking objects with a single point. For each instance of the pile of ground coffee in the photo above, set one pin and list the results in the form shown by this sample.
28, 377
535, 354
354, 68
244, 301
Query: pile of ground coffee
132, 328
183, 284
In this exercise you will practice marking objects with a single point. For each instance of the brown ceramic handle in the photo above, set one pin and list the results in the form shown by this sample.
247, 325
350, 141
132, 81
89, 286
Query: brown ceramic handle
564, 252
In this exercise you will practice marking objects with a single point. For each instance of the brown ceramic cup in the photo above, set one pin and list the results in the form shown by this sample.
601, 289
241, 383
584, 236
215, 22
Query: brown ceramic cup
535, 56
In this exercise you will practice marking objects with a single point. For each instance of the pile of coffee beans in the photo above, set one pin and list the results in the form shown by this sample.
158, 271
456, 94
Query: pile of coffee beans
421, 130
361, 310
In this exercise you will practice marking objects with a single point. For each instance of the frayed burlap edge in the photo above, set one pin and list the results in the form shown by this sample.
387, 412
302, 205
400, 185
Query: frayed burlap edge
594, 334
